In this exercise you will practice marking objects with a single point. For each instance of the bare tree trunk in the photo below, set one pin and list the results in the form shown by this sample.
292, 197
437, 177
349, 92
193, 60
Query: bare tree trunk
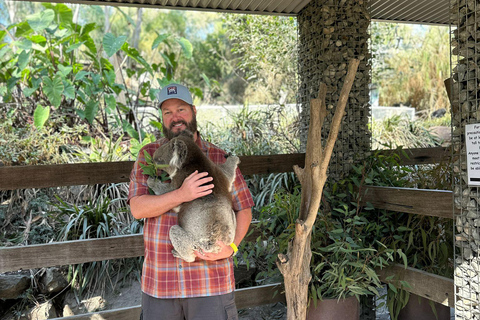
138, 28
295, 265
12, 9
75, 14
107, 19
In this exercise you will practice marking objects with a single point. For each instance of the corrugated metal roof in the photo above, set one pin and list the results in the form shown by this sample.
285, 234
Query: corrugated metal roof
410, 11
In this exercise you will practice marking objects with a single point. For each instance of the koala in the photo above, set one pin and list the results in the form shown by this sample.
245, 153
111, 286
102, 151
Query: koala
206, 220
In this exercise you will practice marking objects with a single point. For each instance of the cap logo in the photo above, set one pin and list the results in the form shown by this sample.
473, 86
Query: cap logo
172, 90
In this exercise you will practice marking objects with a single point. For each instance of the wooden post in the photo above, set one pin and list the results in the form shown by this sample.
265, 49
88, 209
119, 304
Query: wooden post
295, 265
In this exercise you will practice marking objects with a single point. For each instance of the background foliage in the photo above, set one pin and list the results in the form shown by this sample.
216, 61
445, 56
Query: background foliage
410, 65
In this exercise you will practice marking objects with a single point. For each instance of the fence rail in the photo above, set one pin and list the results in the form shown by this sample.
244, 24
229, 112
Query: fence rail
425, 202
424, 284
44, 176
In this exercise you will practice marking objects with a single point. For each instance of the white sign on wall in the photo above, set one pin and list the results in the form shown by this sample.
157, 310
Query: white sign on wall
472, 137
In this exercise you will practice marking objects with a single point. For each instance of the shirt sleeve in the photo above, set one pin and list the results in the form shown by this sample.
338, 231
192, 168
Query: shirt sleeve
138, 181
241, 196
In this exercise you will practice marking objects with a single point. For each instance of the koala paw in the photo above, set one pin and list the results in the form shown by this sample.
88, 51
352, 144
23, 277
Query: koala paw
176, 254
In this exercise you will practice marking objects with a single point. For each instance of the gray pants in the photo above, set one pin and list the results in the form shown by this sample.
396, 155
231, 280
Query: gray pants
202, 308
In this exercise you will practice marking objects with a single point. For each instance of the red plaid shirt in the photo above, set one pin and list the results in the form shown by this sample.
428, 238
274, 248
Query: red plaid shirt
165, 276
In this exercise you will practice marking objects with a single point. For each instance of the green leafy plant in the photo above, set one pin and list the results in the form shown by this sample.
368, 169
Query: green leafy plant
28, 145
427, 242
399, 131
345, 252
96, 219
56, 72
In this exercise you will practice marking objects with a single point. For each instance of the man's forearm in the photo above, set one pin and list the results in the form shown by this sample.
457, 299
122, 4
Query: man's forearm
149, 206
194, 186
244, 218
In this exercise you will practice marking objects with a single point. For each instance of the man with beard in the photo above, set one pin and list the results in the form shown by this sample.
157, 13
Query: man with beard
173, 289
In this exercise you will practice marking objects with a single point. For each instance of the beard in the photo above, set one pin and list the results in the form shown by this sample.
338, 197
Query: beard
191, 126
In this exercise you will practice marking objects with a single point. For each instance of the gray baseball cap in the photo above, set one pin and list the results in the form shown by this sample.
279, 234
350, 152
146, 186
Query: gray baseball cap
174, 91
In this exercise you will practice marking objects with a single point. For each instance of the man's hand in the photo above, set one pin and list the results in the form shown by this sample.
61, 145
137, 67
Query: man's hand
194, 186
225, 252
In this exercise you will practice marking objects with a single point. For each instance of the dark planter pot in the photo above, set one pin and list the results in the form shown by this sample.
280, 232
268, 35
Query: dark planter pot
333, 309
419, 308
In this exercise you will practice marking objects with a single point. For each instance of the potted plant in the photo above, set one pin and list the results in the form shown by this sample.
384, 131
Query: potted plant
344, 245
347, 249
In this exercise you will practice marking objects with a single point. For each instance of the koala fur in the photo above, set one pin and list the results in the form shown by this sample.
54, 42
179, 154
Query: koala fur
206, 220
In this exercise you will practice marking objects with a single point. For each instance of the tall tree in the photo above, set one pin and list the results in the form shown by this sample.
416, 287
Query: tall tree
138, 28
410, 64
266, 49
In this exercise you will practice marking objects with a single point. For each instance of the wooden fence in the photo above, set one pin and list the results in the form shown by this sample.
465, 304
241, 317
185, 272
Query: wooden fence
424, 202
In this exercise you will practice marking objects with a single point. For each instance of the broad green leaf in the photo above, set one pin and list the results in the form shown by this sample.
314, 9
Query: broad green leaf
153, 93
27, 92
41, 20
96, 78
112, 44
81, 113
133, 53
130, 130
35, 84
64, 13
12, 82
156, 124
23, 60
64, 70
61, 34
3, 33
3, 51
40, 116
91, 109
186, 47
74, 47
3, 90
89, 43
110, 102
69, 89
80, 75
89, 27
161, 38
110, 76
24, 44
38, 39
23, 29
53, 89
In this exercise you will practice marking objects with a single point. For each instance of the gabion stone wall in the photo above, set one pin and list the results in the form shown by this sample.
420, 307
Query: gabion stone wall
465, 16
331, 32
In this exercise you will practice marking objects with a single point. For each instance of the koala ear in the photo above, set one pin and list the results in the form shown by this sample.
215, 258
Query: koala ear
179, 153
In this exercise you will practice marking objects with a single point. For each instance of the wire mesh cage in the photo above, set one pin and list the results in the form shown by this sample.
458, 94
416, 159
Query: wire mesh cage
465, 36
331, 33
